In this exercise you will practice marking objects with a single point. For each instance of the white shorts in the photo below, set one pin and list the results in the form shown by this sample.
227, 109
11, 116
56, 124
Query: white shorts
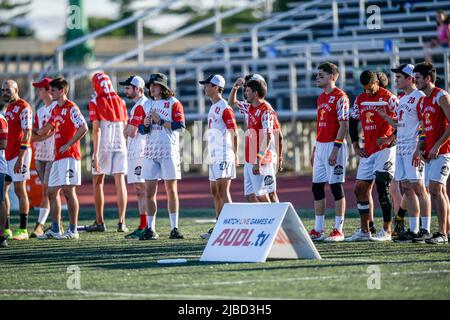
224, 170
381, 161
261, 184
161, 169
322, 171
437, 169
111, 163
404, 170
65, 172
25, 175
134, 174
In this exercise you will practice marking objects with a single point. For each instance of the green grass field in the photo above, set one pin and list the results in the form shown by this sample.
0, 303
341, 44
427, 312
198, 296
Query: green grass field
114, 268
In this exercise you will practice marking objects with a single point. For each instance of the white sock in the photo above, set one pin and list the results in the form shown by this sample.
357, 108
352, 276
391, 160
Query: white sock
320, 222
43, 215
426, 223
339, 223
414, 224
173, 220
151, 222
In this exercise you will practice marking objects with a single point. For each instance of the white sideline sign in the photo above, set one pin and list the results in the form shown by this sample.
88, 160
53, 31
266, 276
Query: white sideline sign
253, 232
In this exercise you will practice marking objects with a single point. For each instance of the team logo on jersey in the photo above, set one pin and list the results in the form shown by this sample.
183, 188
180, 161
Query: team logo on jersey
331, 99
420, 168
369, 116
64, 112
24, 169
268, 180
224, 166
138, 171
411, 100
387, 166
445, 170
338, 170
70, 174
427, 118
322, 115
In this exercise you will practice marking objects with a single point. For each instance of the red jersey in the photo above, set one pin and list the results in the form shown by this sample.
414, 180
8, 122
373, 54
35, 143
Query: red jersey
66, 120
374, 126
434, 120
260, 121
106, 105
19, 117
331, 108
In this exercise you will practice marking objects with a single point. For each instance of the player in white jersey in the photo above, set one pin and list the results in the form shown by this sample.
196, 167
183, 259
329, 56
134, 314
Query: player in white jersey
222, 144
411, 176
134, 89
43, 150
163, 122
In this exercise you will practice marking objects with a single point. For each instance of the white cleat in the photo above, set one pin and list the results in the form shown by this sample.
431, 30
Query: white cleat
69, 235
382, 236
359, 236
49, 235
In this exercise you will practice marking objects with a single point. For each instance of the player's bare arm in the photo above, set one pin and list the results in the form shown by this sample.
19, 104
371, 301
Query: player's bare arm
444, 103
342, 132
235, 140
267, 138
81, 132
25, 142
232, 99
130, 131
382, 112
280, 150
354, 135
96, 133
35, 137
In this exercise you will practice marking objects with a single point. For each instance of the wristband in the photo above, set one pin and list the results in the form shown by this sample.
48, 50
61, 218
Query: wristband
261, 155
338, 143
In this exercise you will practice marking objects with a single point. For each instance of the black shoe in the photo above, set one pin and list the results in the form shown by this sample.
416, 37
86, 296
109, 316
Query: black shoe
406, 237
175, 234
399, 226
373, 230
437, 238
149, 235
422, 236
3, 243
122, 227
95, 227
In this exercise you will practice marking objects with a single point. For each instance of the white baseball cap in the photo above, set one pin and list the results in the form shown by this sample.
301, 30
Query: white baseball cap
257, 77
135, 81
217, 80
406, 69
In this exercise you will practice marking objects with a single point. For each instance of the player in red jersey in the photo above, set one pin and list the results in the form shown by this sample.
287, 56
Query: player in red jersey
69, 126
108, 114
434, 111
376, 161
18, 151
330, 154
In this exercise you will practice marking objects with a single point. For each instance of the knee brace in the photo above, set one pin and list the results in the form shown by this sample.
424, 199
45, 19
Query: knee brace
318, 190
383, 181
338, 191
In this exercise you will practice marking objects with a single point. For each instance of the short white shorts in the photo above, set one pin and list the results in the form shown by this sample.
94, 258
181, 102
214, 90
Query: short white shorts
404, 170
322, 171
161, 169
224, 170
437, 169
134, 174
65, 172
111, 163
261, 184
381, 161
25, 175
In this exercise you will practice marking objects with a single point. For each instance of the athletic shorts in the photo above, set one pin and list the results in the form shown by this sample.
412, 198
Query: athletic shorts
261, 184
134, 174
43, 170
381, 161
322, 171
111, 163
65, 172
161, 169
25, 175
437, 169
405, 171
224, 170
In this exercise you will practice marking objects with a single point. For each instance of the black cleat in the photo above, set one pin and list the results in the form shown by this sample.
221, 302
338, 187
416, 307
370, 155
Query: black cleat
422, 236
437, 238
122, 227
399, 226
3, 242
149, 235
406, 237
373, 230
95, 227
175, 234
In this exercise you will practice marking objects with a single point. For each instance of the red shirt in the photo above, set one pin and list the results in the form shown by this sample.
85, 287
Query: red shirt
3, 128
331, 108
19, 116
374, 126
106, 105
434, 120
260, 121
66, 120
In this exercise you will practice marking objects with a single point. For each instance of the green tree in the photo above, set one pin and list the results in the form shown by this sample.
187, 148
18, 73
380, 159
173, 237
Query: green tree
13, 23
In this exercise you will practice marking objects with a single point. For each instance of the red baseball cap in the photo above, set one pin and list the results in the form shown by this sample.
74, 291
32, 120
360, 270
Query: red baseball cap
44, 83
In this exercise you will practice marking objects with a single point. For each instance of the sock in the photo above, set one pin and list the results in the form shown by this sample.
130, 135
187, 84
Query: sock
320, 222
414, 224
339, 223
8, 220
144, 222
43, 215
73, 228
426, 223
151, 222
55, 227
401, 213
173, 220
23, 220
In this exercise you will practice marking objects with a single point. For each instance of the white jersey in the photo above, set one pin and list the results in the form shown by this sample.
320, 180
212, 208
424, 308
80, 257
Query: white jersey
163, 143
136, 145
408, 123
44, 150
220, 145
